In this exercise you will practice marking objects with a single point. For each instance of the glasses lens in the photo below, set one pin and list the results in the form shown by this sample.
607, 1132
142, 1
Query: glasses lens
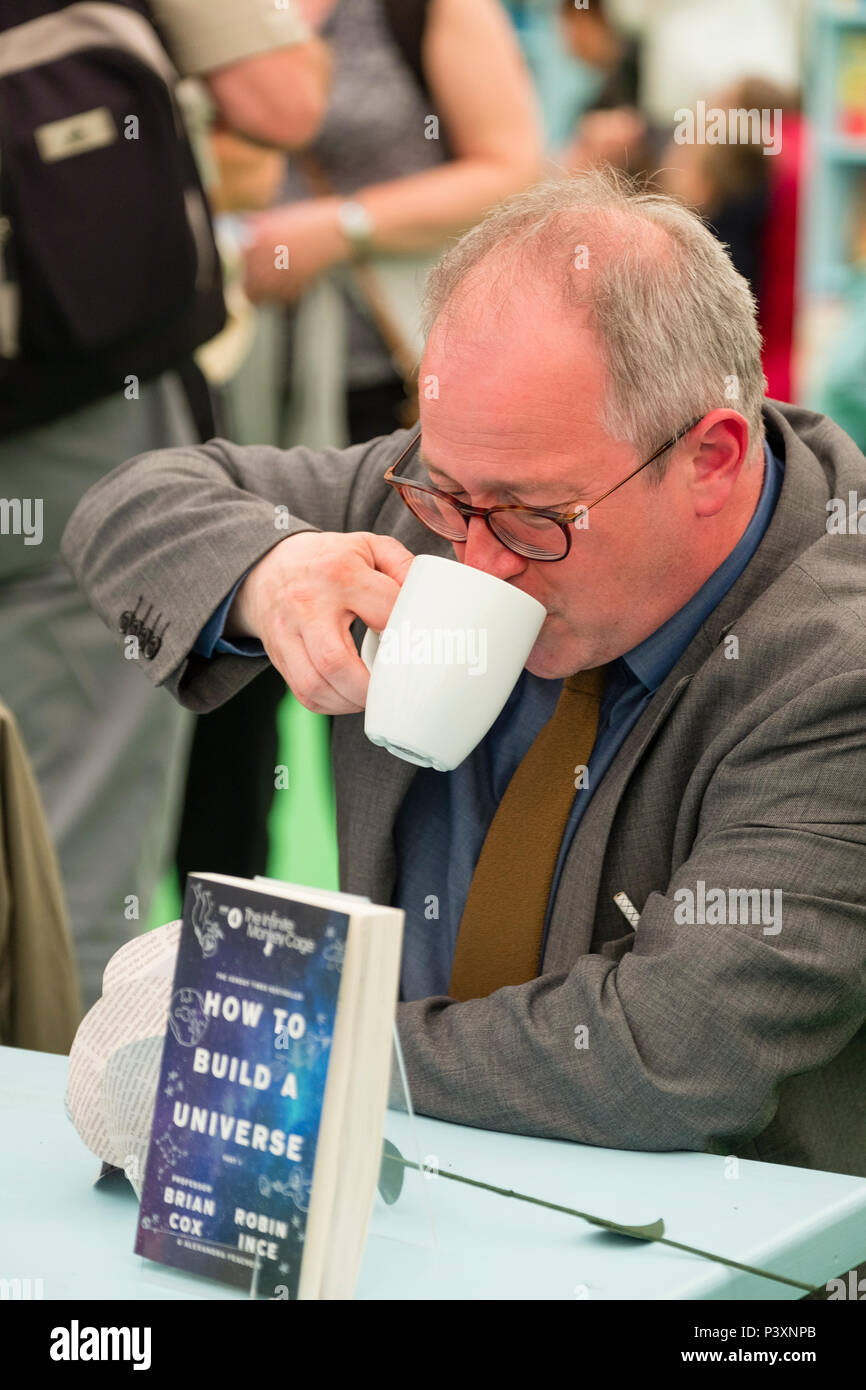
436, 512
536, 537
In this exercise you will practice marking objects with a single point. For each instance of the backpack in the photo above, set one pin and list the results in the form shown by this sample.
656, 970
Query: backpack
109, 273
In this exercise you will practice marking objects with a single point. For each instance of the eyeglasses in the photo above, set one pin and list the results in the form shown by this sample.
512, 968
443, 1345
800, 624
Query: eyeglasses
537, 533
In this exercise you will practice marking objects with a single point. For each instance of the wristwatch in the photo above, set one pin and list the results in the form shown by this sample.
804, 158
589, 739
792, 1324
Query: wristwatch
356, 224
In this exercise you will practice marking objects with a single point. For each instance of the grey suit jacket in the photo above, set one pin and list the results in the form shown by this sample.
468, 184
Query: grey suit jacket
745, 771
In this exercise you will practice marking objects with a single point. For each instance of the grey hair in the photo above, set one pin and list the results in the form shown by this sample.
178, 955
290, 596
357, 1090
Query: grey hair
676, 321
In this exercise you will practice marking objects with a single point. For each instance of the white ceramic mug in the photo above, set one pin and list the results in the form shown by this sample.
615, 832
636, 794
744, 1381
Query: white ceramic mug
447, 661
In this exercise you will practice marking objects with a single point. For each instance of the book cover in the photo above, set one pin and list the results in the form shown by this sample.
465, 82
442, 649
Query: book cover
229, 1170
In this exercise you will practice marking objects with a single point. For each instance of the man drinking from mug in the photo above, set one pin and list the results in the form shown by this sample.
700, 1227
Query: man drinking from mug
586, 955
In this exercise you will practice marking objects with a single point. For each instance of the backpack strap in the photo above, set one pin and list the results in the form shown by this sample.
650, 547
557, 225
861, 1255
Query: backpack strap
407, 20
200, 399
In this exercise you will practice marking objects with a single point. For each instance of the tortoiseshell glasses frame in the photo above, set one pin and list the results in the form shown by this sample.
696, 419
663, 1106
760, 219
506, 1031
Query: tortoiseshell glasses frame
448, 516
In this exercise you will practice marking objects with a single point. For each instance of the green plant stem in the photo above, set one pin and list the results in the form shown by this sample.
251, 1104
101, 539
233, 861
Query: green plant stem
609, 1225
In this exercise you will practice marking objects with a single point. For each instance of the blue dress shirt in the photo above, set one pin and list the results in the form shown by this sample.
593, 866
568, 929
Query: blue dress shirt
211, 639
442, 823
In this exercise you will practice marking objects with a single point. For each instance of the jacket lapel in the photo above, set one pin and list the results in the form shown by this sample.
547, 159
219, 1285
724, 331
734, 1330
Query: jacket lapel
575, 905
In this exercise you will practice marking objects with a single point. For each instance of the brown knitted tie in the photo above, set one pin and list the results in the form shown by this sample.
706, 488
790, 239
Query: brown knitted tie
500, 931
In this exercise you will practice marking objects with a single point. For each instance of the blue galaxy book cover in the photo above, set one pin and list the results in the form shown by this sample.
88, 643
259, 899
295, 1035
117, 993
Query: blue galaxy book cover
230, 1165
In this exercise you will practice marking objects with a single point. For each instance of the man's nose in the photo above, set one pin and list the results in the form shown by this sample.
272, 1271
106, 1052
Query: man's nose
482, 551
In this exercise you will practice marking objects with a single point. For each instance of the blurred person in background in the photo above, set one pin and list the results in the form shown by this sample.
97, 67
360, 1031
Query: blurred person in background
690, 48
109, 759
750, 199
431, 121
563, 85
612, 129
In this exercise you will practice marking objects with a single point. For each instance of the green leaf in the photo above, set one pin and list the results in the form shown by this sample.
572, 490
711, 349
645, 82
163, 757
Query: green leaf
654, 1231
391, 1173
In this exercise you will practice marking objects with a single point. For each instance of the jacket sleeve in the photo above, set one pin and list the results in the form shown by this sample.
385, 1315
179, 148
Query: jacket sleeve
690, 1035
169, 533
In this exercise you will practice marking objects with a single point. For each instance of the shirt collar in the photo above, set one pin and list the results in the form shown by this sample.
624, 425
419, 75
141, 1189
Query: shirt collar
651, 660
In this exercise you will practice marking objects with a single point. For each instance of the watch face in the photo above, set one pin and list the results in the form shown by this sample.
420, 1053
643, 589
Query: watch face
355, 221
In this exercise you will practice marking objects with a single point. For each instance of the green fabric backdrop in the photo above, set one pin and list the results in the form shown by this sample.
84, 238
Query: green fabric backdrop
302, 825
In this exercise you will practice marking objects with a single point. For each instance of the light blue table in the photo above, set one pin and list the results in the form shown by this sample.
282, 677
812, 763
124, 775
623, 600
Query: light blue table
54, 1225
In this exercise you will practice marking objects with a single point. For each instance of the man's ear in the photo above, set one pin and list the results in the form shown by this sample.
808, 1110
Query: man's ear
719, 447
720, 442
